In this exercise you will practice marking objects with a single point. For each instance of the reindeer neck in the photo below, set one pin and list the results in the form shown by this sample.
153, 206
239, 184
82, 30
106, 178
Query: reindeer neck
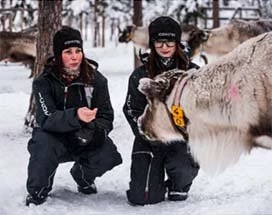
176, 93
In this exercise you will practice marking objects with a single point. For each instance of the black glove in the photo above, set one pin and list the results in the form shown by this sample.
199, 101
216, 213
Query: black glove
90, 134
85, 135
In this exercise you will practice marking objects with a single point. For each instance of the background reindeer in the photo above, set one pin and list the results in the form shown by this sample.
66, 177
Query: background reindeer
139, 36
227, 105
18, 47
215, 42
222, 40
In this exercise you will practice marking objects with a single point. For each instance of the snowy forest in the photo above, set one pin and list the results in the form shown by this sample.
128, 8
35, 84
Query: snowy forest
106, 16
243, 188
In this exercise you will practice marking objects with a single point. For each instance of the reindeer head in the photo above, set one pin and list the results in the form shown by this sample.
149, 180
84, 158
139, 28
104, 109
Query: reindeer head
196, 38
126, 35
162, 84
156, 122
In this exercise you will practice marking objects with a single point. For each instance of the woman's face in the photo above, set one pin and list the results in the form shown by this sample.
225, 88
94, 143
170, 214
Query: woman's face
165, 48
72, 57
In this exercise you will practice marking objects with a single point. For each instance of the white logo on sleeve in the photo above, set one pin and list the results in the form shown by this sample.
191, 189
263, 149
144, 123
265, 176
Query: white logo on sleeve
43, 105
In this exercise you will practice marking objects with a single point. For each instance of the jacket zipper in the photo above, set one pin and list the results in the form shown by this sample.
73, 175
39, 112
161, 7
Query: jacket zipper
66, 92
66, 89
65, 96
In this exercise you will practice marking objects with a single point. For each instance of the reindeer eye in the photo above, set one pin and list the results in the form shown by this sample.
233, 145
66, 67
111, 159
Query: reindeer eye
157, 84
161, 81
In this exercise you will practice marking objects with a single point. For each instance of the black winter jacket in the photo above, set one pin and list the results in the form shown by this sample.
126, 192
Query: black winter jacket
57, 104
135, 100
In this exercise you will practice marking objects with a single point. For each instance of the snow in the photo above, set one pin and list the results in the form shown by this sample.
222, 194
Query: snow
244, 188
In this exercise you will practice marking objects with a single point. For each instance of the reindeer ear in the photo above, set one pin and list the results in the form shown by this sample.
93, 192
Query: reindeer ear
145, 85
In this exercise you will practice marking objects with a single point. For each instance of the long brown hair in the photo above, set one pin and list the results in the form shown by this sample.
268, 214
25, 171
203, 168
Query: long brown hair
181, 59
86, 70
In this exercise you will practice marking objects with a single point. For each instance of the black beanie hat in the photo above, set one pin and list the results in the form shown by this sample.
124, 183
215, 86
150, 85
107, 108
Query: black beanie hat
65, 38
164, 27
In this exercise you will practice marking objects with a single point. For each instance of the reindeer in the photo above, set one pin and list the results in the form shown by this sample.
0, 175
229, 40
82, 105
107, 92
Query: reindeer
224, 109
18, 47
215, 42
220, 41
139, 36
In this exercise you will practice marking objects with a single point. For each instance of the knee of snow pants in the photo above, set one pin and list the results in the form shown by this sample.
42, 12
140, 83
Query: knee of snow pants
180, 166
95, 162
147, 177
44, 149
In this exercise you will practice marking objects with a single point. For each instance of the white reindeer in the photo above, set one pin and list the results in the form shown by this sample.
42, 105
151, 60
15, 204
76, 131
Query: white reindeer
226, 106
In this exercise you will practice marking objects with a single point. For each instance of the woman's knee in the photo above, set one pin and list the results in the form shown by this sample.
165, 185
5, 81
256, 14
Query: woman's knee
44, 145
147, 179
110, 154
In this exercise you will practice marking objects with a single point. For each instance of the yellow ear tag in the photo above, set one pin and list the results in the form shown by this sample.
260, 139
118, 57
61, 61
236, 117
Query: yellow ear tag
178, 115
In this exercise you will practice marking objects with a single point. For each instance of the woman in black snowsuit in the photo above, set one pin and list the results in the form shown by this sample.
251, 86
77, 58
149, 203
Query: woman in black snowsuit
74, 116
151, 161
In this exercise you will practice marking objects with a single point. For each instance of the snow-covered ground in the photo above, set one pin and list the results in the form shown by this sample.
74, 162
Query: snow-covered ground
244, 189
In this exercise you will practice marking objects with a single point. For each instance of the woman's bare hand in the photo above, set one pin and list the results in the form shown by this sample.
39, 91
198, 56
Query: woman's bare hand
86, 115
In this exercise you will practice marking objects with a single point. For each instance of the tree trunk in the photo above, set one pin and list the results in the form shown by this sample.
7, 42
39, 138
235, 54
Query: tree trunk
86, 23
138, 21
81, 22
103, 30
3, 21
216, 14
49, 21
95, 24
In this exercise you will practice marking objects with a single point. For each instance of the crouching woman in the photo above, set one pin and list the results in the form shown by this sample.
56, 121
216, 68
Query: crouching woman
74, 116
149, 161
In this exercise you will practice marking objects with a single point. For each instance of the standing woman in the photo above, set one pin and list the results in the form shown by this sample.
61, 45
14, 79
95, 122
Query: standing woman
150, 162
74, 116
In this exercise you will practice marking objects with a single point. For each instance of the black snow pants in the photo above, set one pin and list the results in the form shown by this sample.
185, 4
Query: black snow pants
148, 168
48, 150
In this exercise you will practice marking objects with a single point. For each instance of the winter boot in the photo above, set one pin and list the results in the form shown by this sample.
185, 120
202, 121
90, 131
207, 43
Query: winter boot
88, 189
31, 199
177, 195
